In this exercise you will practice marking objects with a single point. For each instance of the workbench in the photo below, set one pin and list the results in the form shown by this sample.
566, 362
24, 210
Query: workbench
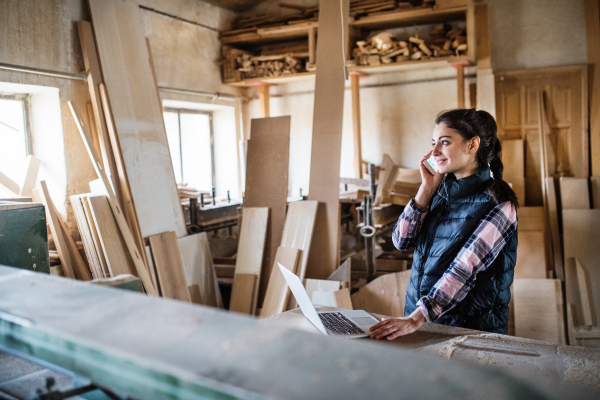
153, 348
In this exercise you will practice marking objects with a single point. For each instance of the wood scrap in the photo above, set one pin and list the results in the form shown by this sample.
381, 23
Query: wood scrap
9, 184
387, 179
168, 265
384, 295
321, 291
342, 299
343, 273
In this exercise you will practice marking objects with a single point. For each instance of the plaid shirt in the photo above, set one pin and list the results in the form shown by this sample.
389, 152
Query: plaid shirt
477, 254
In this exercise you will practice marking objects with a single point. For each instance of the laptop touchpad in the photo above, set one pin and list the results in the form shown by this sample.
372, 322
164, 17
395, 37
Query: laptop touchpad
364, 321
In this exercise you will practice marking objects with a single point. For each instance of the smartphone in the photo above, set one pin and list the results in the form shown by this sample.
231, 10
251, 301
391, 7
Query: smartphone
431, 165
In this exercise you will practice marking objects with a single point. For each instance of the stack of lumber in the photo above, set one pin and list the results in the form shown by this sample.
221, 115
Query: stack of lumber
251, 66
386, 48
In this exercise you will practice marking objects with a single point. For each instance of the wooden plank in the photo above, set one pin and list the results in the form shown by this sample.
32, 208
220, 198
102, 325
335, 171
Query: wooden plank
93, 130
169, 268
31, 173
86, 237
71, 260
113, 245
141, 268
298, 233
343, 273
356, 127
267, 166
513, 159
531, 256
580, 233
595, 188
94, 79
592, 29
9, 184
278, 291
539, 310
342, 299
198, 267
531, 219
574, 193
137, 113
95, 237
553, 228
387, 179
242, 298
253, 233
327, 138
128, 209
195, 295
584, 294
384, 295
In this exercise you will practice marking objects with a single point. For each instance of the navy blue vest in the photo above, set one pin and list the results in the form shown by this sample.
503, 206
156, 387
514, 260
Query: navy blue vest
456, 209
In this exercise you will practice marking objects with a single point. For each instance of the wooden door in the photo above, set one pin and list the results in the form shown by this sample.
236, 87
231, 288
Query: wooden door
517, 117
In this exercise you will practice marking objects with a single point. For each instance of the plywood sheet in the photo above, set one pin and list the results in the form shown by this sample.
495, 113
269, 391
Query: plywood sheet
577, 293
574, 194
531, 256
581, 229
267, 166
137, 114
531, 219
89, 247
198, 267
168, 265
385, 295
243, 293
298, 233
114, 248
513, 159
342, 299
327, 138
249, 258
539, 310
278, 292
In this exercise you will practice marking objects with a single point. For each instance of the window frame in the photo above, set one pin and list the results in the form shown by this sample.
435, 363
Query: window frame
26, 99
180, 111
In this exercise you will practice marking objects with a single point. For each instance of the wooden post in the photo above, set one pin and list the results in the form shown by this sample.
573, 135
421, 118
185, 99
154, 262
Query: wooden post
355, 86
460, 82
263, 98
312, 31
473, 95
592, 27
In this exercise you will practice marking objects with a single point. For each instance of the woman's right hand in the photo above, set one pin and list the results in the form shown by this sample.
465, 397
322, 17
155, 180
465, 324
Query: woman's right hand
429, 184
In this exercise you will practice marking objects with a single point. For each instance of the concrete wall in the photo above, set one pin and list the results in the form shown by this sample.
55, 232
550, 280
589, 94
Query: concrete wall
397, 117
43, 34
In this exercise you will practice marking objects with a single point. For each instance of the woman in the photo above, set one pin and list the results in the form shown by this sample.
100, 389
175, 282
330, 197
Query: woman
463, 227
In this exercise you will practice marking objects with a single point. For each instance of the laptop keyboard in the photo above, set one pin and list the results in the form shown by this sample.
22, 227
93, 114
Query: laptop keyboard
338, 324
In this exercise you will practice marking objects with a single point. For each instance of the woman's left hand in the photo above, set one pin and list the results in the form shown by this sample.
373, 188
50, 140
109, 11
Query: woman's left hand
392, 328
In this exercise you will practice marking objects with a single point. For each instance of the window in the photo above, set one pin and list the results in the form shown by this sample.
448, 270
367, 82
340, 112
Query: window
15, 142
190, 137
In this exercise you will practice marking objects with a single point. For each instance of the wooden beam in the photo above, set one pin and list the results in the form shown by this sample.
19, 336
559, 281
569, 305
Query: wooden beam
31, 173
9, 184
327, 139
592, 27
460, 85
482, 36
141, 268
264, 100
355, 87
473, 95
312, 54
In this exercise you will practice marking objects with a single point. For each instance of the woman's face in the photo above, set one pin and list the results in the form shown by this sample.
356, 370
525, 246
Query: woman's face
453, 153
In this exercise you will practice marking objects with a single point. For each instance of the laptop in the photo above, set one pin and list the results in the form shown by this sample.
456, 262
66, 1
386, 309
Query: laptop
346, 323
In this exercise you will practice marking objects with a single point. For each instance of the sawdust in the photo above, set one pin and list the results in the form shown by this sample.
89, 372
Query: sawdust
448, 349
583, 365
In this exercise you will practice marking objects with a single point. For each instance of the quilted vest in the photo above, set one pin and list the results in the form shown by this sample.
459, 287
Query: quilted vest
456, 210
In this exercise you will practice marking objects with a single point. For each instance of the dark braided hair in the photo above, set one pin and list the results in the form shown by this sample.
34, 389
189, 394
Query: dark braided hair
470, 123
